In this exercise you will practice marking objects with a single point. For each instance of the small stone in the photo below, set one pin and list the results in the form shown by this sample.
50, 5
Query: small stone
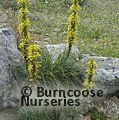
92, 54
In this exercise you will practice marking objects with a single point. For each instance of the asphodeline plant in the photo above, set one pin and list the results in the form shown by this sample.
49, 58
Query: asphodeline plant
90, 73
29, 50
23, 26
73, 21
33, 65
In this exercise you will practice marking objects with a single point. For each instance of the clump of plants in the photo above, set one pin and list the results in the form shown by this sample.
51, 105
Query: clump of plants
61, 71
29, 50
33, 113
43, 69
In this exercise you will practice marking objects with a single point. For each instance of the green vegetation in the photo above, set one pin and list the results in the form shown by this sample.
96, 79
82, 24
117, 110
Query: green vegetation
48, 114
34, 113
95, 114
62, 71
98, 26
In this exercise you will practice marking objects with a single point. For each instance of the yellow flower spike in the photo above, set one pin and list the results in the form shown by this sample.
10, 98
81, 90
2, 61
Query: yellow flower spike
30, 52
73, 25
33, 55
91, 70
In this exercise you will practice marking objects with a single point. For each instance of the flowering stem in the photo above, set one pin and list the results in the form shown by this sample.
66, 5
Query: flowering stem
30, 52
72, 25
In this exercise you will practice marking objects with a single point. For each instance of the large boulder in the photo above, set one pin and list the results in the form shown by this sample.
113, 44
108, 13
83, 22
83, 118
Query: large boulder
9, 56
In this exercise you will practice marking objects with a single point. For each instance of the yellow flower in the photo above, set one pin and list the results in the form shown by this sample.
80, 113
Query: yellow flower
31, 52
73, 24
91, 70
23, 11
23, 1
88, 84
20, 1
25, 24
33, 55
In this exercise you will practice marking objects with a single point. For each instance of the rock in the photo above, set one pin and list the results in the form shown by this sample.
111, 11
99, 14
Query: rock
110, 107
9, 56
56, 50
